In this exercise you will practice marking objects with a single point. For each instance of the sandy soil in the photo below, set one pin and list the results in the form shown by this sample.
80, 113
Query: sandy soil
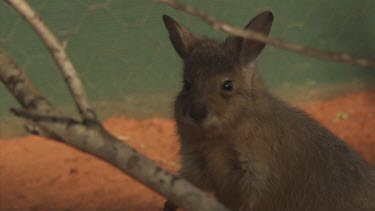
39, 174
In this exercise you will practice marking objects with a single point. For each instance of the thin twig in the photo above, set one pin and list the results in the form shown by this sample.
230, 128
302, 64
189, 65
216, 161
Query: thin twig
91, 137
60, 56
218, 25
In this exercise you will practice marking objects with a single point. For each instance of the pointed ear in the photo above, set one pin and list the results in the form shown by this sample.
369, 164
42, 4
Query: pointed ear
182, 39
247, 49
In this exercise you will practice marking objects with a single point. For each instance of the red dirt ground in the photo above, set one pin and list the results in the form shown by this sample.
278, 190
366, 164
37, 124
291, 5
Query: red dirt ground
38, 174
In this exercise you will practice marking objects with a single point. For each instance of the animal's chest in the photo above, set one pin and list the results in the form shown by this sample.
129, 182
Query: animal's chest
221, 166
225, 172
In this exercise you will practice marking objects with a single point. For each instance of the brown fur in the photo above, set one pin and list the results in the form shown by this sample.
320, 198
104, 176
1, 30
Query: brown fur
251, 149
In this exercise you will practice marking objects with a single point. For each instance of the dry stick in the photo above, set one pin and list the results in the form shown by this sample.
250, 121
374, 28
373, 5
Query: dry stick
15, 81
92, 138
60, 56
218, 25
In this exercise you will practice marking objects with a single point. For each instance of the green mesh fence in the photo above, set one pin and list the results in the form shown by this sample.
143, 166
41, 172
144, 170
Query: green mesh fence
128, 66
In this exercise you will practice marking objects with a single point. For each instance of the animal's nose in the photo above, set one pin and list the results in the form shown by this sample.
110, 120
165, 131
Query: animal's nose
198, 112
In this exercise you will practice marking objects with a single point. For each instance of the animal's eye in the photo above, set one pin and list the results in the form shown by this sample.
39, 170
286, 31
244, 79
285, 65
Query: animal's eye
227, 86
187, 85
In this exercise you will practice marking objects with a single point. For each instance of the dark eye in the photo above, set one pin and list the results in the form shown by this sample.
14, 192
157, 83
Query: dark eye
227, 86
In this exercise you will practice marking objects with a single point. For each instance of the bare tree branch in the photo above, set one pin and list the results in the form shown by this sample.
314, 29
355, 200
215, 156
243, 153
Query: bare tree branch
16, 81
92, 138
60, 56
37, 117
218, 25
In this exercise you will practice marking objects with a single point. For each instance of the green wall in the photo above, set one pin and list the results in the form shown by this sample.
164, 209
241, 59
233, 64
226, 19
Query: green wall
122, 52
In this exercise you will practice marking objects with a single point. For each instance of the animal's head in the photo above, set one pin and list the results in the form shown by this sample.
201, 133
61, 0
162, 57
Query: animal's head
218, 78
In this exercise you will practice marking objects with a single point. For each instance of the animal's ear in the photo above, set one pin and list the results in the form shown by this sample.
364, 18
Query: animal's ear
182, 39
247, 49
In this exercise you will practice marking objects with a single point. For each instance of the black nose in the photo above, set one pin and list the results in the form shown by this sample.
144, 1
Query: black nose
198, 112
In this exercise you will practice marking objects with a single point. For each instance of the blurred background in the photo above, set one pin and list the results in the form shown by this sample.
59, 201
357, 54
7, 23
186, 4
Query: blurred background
131, 73
128, 66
